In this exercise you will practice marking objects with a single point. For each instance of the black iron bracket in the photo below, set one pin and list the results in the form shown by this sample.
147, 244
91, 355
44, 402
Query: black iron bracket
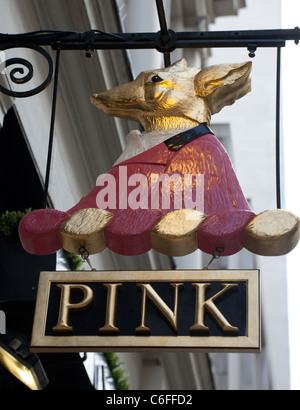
161, 41
164, 41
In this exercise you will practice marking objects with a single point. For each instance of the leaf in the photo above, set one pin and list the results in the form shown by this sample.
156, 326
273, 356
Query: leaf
9, 222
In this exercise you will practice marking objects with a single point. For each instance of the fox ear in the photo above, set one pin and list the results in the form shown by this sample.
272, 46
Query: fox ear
180, 63
223, 84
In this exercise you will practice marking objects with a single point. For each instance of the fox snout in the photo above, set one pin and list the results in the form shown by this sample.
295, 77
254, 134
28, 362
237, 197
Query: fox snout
115, 101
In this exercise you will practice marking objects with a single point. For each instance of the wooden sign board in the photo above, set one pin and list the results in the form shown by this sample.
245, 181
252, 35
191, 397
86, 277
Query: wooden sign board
204, 310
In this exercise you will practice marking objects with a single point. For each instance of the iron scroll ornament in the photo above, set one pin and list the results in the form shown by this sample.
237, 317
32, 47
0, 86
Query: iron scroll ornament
20, 69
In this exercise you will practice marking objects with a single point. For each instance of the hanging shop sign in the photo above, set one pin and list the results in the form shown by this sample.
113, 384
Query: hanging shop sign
174, 188
201, 310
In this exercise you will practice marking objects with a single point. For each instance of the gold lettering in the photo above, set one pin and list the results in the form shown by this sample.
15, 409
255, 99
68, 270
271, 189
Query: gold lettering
66, 306
202, 304
170, 315
109, 327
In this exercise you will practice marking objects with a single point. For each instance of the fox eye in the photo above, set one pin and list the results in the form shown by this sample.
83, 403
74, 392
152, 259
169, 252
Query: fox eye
156, 79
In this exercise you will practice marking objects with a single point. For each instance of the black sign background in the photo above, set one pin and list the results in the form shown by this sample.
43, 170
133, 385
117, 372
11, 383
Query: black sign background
128, 309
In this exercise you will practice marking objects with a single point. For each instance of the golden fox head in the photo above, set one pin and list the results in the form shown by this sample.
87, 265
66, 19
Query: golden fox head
177, 96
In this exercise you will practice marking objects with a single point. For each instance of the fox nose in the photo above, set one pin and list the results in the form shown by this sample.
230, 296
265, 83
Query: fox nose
98, 99
94, 98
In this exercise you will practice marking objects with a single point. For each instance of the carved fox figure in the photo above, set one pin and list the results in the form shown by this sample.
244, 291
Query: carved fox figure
174, 105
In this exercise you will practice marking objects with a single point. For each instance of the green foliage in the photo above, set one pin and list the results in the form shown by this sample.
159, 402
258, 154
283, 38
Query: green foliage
118, 374
75, 261
9, 222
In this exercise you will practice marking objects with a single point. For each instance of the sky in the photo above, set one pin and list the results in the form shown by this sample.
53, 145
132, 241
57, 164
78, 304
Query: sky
291, 149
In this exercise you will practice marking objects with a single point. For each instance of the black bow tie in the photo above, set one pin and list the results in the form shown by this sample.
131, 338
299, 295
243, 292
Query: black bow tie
178, 141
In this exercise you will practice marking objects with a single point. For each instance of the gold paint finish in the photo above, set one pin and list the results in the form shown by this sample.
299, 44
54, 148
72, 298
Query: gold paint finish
272, 233
109, 327
209, 304
223, 84
171, 317
85, 229
176, 233
66, 305
184, 97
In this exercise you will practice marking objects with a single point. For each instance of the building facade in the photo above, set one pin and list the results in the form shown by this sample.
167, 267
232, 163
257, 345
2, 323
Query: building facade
87, 143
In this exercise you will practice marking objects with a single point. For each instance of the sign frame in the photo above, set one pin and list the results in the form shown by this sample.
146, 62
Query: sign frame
250, 343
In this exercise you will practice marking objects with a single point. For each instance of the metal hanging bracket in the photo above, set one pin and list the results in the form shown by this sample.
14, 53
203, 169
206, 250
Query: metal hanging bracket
216, 255
85, 255
252, 49
90, 43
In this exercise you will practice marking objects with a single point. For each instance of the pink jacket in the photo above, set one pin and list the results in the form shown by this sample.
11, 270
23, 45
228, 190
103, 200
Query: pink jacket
128, 232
